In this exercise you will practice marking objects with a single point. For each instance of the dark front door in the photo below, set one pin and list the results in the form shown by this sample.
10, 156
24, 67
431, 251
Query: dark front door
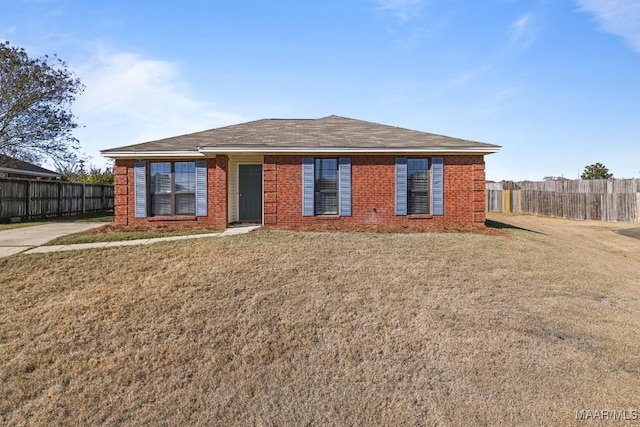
250, 193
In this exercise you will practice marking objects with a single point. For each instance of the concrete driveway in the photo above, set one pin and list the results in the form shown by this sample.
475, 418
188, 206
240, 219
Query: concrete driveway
16, 240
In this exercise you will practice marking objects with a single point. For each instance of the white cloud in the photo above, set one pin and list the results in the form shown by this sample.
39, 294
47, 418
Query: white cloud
401, 9
495, 102
469, 76
130, 99
8, 31
620, 17
523, 31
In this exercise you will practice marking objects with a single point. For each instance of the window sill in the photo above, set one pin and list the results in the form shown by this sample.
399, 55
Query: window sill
172, 218
420, 216
329, 217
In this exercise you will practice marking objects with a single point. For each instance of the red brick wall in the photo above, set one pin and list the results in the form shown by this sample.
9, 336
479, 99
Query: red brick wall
373, 192
123, 174
216, 196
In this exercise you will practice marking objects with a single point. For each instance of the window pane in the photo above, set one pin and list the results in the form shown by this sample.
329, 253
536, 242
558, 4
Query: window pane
326, 186
185, 177
417, 186
160, 178
326, 203
328, 164
186, 204
160, 204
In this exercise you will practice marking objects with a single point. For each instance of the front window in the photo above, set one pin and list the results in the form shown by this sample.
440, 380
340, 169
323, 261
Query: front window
326, 186
417, 186
172, 187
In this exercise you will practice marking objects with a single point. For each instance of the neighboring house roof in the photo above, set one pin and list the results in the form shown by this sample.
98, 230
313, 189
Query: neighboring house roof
328, 134
16, 166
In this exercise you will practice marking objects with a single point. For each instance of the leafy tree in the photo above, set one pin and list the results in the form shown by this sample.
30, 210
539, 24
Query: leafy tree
35, 100
98, 176
73, 170
596, 171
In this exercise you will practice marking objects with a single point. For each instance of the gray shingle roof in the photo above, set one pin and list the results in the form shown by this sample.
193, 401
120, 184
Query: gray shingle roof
326, 133
13, 164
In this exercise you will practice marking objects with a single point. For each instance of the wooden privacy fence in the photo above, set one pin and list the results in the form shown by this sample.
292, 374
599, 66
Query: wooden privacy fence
604, 200
27, 199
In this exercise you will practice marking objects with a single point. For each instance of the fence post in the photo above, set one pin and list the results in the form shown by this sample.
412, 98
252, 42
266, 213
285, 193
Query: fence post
506, 201
27, 200
59, 198
637, 207
84, 204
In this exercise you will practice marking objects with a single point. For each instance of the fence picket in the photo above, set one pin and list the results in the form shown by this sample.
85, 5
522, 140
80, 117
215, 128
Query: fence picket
605, 200
28, 199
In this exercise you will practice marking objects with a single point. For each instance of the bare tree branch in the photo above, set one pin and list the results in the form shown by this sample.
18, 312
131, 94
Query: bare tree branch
35, 101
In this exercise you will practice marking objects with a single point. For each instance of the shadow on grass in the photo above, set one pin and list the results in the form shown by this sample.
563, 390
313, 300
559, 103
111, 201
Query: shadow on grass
630, 232
504, 226
106, 216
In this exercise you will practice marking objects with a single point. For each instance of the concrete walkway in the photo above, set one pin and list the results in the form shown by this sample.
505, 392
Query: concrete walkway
29, 240
17, 240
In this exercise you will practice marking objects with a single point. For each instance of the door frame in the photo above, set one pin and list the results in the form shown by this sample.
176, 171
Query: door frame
238, 189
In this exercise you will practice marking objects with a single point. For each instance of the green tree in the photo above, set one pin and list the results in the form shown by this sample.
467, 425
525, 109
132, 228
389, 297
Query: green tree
73, 169
35, 100
98, 176
596, 171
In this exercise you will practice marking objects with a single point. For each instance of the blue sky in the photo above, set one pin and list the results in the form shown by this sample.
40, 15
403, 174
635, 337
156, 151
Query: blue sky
555, 82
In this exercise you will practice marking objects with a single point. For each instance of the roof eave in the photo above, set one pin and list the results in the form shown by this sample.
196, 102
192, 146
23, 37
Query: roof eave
211, 151
28, 172
349, 150
151, 154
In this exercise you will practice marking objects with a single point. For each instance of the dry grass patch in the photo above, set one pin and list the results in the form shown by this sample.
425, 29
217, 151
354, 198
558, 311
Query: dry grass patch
292, 328
113, 233
418, 227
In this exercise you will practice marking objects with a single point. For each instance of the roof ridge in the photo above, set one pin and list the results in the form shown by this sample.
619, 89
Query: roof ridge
282, 118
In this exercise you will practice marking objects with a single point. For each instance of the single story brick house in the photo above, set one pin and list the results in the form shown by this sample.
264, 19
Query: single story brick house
11, 167
302, 172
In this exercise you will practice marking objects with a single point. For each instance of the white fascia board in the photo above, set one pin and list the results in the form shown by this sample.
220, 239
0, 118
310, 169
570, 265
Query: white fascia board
27, 172
151, 154
386, 150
